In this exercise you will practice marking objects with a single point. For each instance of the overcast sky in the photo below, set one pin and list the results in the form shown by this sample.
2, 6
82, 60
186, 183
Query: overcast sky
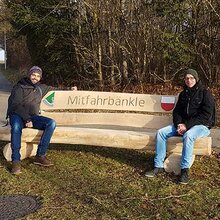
2, 55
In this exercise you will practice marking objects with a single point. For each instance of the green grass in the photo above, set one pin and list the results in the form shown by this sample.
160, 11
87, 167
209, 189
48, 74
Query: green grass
106, 183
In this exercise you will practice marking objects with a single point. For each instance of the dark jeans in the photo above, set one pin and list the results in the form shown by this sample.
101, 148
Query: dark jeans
39, 122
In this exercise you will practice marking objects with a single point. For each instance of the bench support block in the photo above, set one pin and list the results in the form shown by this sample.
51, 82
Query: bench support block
27, 150
172, 163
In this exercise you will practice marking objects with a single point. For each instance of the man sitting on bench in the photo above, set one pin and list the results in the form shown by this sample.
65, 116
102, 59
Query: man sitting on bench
193, 116
23, 112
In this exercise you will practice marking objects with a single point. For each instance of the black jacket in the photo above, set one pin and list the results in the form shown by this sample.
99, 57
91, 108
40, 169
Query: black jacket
25, 98
195, 106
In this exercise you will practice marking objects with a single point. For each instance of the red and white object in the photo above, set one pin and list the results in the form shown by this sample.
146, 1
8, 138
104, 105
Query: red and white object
167, 103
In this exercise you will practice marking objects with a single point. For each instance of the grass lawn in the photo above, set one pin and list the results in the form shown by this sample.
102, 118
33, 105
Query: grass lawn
106, 183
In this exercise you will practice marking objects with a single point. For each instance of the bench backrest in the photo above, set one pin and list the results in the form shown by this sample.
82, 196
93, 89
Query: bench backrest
108, 108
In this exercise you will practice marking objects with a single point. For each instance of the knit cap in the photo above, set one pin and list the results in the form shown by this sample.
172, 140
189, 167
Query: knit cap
35, 69
191, 72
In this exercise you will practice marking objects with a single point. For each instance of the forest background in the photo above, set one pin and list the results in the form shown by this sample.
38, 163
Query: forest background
115, 45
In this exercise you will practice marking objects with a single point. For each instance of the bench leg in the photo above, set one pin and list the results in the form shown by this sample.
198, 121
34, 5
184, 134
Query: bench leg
27, 150
172, 163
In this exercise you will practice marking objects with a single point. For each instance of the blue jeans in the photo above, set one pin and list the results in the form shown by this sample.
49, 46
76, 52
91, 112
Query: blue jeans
39, 122
189, 137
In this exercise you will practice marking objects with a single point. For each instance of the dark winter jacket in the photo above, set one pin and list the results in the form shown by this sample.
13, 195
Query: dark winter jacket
195, 106
25, 98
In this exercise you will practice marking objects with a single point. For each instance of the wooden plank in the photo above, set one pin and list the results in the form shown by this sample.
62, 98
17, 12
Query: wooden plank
109, 138
202, 146
108, 101
215, 134
114, 119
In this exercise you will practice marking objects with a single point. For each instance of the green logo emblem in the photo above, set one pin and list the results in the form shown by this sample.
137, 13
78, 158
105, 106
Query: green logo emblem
49, 100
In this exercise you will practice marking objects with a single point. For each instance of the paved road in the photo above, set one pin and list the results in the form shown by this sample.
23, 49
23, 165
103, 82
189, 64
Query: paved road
5, 88
5, 85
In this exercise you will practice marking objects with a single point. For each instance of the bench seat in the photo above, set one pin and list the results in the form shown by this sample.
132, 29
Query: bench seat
109, 136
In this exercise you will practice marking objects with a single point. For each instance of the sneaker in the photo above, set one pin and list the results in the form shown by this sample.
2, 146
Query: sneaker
154, 172
184, 177
16, 168
42, 161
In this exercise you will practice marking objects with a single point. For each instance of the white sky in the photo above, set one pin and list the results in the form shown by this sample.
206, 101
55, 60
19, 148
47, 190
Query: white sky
2, 55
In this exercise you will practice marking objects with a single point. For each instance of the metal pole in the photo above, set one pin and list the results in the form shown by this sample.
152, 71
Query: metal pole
5, 50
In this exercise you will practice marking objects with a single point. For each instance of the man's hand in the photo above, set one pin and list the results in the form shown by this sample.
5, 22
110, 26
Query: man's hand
74, 88
29, 124
181, 129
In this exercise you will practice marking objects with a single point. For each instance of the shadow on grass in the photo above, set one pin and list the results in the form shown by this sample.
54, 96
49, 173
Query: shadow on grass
138, 159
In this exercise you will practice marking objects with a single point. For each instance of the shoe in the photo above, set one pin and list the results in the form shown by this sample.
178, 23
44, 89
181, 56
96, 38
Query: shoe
154, 172
16, 168
42, 161
184, 177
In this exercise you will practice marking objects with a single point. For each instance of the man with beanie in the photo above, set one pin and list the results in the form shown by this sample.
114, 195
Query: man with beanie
193, 116
23, 112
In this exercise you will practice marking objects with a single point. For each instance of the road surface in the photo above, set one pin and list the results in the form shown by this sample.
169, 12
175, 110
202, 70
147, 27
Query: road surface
5, 88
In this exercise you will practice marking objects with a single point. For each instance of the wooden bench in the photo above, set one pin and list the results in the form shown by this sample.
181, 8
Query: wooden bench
121, 120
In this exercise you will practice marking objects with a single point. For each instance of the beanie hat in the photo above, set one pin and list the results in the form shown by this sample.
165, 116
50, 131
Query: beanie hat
192, 72
35, 69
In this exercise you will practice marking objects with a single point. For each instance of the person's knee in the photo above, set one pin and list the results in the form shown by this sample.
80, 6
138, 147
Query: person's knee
160, 133
188, 136
16, 128
52, 124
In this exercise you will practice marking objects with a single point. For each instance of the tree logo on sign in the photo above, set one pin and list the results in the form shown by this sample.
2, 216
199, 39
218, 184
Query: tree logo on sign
49, 100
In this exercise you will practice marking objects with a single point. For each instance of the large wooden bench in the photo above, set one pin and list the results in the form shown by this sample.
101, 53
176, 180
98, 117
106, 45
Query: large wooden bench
121, 120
